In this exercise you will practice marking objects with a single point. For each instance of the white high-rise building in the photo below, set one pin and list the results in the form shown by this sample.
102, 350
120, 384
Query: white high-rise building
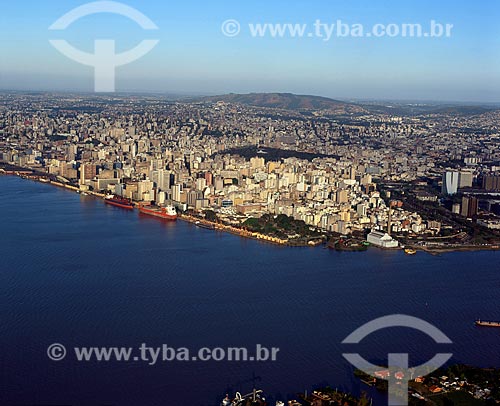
451, 180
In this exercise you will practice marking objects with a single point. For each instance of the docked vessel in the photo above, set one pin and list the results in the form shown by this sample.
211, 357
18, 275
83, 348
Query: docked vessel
482, 323
166, 213
410, 251
255, 398
119, 201
205, 225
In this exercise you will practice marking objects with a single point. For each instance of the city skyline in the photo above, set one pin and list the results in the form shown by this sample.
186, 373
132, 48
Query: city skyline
195, 57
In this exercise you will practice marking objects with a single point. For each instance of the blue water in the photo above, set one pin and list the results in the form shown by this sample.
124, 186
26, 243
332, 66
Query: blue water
77, 272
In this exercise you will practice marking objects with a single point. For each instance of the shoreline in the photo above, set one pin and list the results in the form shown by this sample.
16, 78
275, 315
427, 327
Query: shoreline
32, 174
239, 231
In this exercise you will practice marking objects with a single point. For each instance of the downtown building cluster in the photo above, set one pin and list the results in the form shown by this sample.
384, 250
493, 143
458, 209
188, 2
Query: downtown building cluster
185, 153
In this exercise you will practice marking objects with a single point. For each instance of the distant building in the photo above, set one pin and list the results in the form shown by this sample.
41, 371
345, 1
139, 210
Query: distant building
493, 224
491, 183
465, 179
425, 196
469, 206
450, 183
381, 239
87, 172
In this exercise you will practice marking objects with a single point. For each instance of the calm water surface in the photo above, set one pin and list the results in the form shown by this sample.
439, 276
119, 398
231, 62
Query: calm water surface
77, 272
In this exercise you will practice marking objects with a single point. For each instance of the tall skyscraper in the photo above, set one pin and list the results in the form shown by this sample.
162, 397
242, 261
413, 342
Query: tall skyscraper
450, 183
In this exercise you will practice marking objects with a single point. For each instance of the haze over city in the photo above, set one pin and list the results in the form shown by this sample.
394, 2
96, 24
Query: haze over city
194, 57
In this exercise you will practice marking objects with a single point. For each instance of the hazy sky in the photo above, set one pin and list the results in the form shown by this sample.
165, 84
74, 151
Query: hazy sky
193, 55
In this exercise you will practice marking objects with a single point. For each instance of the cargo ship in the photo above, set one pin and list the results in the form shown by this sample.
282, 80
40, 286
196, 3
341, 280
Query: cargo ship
166, 213
481, 323
119, 201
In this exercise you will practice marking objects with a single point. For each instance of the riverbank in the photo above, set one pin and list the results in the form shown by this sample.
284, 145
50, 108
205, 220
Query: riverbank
240, 232
36, 175
445, 250
30, 175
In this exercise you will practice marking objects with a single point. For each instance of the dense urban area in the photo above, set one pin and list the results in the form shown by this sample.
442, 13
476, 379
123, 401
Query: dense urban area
296, 170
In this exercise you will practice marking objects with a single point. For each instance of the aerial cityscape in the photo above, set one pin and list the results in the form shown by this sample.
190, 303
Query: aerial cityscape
425, 177
251, 205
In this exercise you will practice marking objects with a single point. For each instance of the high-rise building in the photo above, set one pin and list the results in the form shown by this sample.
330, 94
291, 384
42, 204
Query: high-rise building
176, 192
450, 183
491, 183
201, 184
342, 196
161, 178
465, 180
87, 172
469, 206
209, 178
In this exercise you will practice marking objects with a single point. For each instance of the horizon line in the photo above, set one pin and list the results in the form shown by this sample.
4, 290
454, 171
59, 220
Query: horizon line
215, 94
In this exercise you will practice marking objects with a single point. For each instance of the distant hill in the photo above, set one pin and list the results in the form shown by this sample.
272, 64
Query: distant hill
286, 101
309, 104
405, 109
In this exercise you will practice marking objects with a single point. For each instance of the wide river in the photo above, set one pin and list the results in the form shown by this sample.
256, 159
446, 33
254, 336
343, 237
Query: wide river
76, 272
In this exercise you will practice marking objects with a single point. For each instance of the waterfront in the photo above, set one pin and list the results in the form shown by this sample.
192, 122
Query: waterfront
77, 272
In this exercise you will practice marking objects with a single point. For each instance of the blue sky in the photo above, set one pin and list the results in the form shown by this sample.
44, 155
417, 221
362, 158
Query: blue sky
193, 55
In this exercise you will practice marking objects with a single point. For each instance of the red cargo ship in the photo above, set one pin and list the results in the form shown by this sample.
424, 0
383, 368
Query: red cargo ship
166, 213
119, 201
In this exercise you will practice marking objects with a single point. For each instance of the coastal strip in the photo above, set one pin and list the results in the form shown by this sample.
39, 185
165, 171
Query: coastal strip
33, 174
30, 175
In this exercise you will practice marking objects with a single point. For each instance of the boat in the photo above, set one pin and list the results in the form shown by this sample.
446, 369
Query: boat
410, 251
119, 201
205, 225
481, 323
226, 401
166, 213
255, 398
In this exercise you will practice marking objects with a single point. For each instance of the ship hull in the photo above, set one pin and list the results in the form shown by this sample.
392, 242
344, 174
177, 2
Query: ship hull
159, 214
121, 205
488, 324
